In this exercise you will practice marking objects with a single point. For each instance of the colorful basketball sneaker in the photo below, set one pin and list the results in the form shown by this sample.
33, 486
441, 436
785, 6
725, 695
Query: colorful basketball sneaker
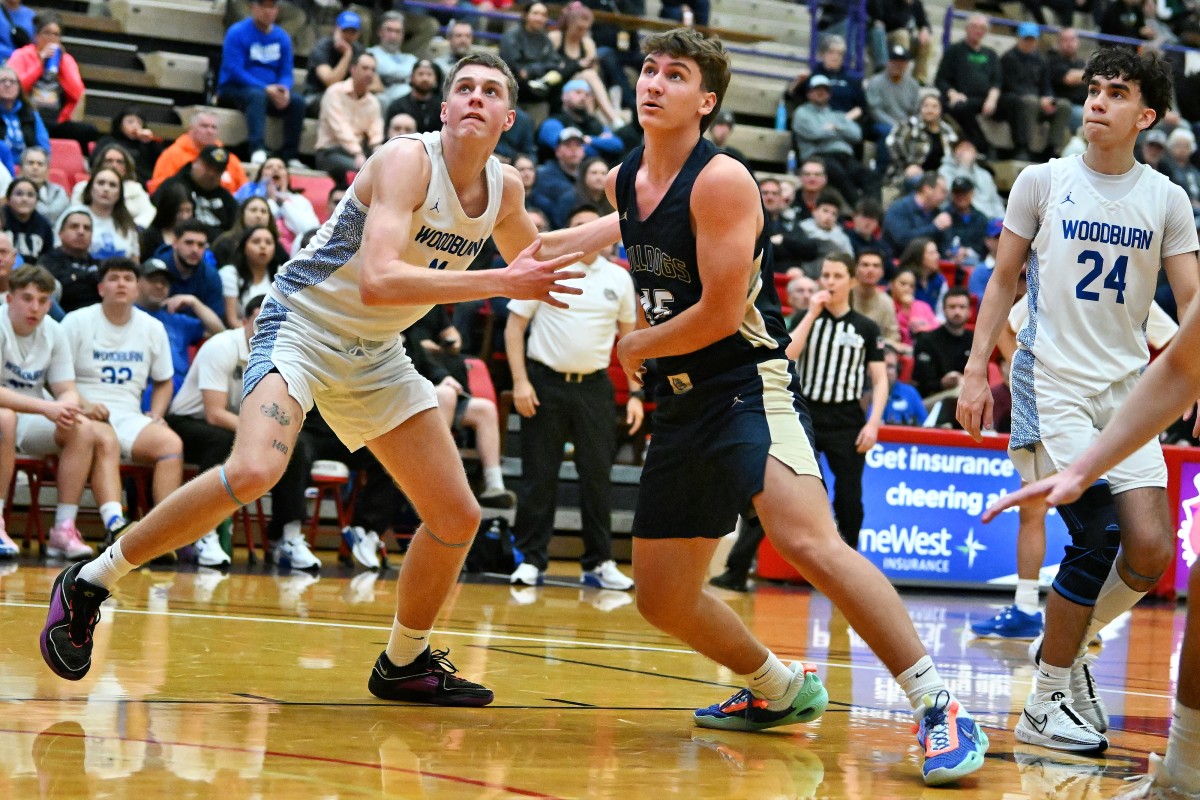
429, 679
74, 611
954, 744
745, 712
1011, 623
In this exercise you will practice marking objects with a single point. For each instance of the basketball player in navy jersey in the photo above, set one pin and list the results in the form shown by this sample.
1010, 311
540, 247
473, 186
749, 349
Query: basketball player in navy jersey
731, 432
329, 333
1094, 231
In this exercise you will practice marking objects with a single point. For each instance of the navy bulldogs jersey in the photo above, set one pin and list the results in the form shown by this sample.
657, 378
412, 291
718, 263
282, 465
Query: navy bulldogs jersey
662, 259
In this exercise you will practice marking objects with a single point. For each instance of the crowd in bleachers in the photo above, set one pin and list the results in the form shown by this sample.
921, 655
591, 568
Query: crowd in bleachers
168, 247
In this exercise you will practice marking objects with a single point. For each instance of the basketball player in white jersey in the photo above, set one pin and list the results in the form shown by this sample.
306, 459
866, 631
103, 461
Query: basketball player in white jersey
329, 333
1094, 229
118, 351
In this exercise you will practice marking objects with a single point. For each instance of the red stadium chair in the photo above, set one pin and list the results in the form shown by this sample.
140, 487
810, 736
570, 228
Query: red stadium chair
316, 188
60, 177
67, 155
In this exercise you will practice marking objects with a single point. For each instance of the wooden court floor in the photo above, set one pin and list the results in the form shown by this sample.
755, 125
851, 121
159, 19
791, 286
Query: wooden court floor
254, 686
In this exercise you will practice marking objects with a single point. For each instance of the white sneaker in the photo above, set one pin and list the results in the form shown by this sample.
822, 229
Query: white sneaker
363, 546
258, 157
1155, 786
291, 552
526, 574
209, 552
65, 542
1085, 697
607, 576
8, 548
1056, 725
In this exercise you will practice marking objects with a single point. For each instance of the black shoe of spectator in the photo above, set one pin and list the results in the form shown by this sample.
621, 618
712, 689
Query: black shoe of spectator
727, 580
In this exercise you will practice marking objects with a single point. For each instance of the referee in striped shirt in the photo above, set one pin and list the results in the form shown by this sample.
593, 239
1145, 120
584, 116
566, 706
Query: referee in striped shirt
837, 349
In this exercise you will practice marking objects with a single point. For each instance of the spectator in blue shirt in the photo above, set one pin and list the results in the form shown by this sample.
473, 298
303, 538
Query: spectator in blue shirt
187, 320
23, 126
904, 405
983, 270
256, 77
191, 272
917, 214
558, 176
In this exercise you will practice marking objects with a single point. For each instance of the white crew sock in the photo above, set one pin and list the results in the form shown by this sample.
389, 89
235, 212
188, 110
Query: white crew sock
1027, 599
1182, 762
291, 530
493, 478
405, 644
771, 680
1049, 680
107, 568
112, 515
919, 680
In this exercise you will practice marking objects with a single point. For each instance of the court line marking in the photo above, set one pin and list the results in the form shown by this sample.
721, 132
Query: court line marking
498, 636
299, 756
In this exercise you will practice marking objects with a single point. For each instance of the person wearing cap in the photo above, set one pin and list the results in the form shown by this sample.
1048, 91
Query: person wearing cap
969, 79
963, 241
720, 131
846, 95
350, 125
212, 204
72, 263
1154, 151
819, 130
982, 272
906, 24
894, 94
330, 59
203, 130
187, 320
963, 162
1027, 98
559, 175
598, 138
424, 99
256, 77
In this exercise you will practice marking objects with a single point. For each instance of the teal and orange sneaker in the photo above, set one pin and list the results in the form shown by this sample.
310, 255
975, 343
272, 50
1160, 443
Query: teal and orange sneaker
745, 712
954, 744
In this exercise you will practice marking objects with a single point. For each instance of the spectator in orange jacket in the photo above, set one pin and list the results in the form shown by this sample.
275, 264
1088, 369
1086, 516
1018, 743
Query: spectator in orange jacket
186, 149
50, 77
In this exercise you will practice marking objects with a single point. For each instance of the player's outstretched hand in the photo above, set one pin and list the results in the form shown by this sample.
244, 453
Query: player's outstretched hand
1060, 488
530, 279
975, 406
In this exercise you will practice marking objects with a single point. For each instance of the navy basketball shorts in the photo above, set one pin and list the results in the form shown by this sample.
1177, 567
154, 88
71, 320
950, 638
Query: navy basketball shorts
708, 454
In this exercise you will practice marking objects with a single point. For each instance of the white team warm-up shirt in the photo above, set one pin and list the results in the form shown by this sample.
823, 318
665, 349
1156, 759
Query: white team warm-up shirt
217, 367
1098, 242
114, 364
322, 281
33, 362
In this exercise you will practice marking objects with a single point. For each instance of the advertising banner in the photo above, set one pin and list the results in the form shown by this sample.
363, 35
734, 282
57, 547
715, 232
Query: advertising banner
922, 526
1188, 531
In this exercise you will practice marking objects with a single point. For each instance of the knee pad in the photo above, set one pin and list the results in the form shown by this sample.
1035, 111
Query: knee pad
1095, 538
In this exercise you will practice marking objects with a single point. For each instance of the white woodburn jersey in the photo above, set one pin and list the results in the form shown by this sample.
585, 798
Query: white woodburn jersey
322, 281
1093, 269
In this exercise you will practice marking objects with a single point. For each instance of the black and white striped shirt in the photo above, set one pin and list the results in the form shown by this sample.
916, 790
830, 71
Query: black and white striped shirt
833, 367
